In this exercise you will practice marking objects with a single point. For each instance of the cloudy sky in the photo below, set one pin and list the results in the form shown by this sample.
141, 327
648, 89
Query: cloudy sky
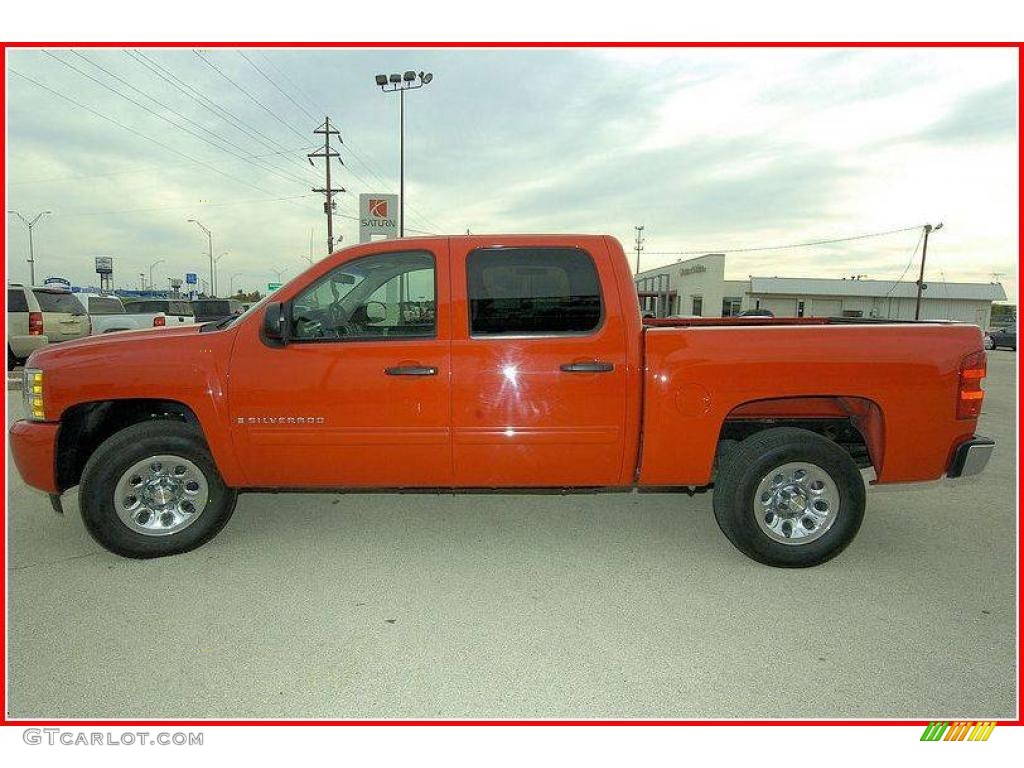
710, 149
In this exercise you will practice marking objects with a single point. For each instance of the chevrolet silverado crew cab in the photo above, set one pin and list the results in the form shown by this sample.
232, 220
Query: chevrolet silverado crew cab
498, 362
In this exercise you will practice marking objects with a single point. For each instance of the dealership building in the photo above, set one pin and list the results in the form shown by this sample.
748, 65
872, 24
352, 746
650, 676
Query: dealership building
698, 287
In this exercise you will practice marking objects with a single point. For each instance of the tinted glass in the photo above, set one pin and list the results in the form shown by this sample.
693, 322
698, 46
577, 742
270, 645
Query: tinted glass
105, 305
390, 295
180, 308
59, 302
532, 291
142, 307
16, 300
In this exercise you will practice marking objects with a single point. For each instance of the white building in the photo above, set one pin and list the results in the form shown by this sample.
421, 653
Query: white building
698, 287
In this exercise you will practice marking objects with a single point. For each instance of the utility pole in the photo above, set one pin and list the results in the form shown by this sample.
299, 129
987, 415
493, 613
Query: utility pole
639, 245
328, 191
928, 229
31, 252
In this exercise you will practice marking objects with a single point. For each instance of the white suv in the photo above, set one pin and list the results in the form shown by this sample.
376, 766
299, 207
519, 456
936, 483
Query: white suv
24, 325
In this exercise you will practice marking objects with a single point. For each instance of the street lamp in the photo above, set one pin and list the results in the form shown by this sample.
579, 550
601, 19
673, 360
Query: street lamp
209, 239
215, 263
401, 83
31, 252
158, 261
928, 229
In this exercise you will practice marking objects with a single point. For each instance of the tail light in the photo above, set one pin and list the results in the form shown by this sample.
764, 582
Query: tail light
159, 321
35, 323
971, 395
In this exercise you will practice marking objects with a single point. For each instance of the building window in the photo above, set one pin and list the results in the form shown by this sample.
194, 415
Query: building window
731, 306
698, 305
800, 308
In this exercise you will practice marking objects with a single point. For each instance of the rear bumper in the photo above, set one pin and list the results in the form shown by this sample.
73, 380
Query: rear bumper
34, 448
23, 346
971, 457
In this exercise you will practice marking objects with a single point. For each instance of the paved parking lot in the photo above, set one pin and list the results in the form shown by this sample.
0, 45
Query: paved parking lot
580, 606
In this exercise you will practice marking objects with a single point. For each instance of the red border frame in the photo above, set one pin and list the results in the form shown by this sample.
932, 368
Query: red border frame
4, 721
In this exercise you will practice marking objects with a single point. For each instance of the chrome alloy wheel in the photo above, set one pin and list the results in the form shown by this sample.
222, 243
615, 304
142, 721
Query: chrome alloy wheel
161, 495
796, 503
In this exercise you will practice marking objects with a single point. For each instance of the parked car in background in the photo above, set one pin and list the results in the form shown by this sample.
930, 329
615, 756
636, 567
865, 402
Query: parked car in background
108, 314
756, 313
64, 317
208, 310
174, 311
24, 325
1002, 337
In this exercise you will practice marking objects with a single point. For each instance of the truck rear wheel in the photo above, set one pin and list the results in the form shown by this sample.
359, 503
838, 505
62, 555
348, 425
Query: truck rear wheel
789, 498
152, 489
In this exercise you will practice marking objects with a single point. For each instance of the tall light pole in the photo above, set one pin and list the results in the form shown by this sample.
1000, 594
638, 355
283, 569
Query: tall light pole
401, 83
215, 263
158, 261
31, 251
928, 229
209, 239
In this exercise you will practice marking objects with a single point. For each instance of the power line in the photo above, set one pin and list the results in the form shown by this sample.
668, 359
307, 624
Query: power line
283, 92
238, 155
906, 269
208, 104
259, 103
787, 246
189, 206
138, 133
292, 83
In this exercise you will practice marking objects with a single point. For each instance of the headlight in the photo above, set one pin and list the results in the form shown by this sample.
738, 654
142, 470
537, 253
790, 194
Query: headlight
32, 392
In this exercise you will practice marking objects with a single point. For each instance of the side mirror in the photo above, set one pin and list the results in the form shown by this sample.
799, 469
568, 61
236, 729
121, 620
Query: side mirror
275, 322
376, 312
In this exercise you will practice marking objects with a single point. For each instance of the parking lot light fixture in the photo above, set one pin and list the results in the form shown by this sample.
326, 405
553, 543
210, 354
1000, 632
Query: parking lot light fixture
155, 263
216, 261
31, 252
209, 240
401, 83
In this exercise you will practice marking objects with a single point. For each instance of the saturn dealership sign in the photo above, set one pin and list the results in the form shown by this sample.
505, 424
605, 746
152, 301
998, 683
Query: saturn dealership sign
378, 217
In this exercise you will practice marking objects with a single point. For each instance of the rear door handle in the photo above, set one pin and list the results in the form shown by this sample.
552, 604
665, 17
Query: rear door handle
411, 370
588, 366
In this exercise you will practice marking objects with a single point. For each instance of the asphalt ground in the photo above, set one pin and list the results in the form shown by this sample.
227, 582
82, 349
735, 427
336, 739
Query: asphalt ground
524, 606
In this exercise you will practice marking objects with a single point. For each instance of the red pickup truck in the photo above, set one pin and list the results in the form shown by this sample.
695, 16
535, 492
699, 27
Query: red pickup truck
497, 362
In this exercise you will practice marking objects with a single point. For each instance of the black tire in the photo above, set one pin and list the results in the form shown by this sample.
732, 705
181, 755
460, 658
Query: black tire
120, 452
752, 461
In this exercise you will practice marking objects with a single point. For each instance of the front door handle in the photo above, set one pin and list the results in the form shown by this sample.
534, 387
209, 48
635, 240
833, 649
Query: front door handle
588, 366
411, 370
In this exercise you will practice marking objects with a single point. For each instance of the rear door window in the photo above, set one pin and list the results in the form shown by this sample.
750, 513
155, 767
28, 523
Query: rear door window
56, 301
532, 291
16, 300
105, 305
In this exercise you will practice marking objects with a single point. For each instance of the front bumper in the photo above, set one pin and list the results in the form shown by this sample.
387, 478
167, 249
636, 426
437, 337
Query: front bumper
34, 448
970, 457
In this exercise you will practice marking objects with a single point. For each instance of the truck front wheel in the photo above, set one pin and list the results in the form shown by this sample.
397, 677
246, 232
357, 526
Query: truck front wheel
152, 489
789, 498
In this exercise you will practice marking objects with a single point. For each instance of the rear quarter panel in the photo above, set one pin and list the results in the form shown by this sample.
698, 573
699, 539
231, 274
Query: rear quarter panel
694, 377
